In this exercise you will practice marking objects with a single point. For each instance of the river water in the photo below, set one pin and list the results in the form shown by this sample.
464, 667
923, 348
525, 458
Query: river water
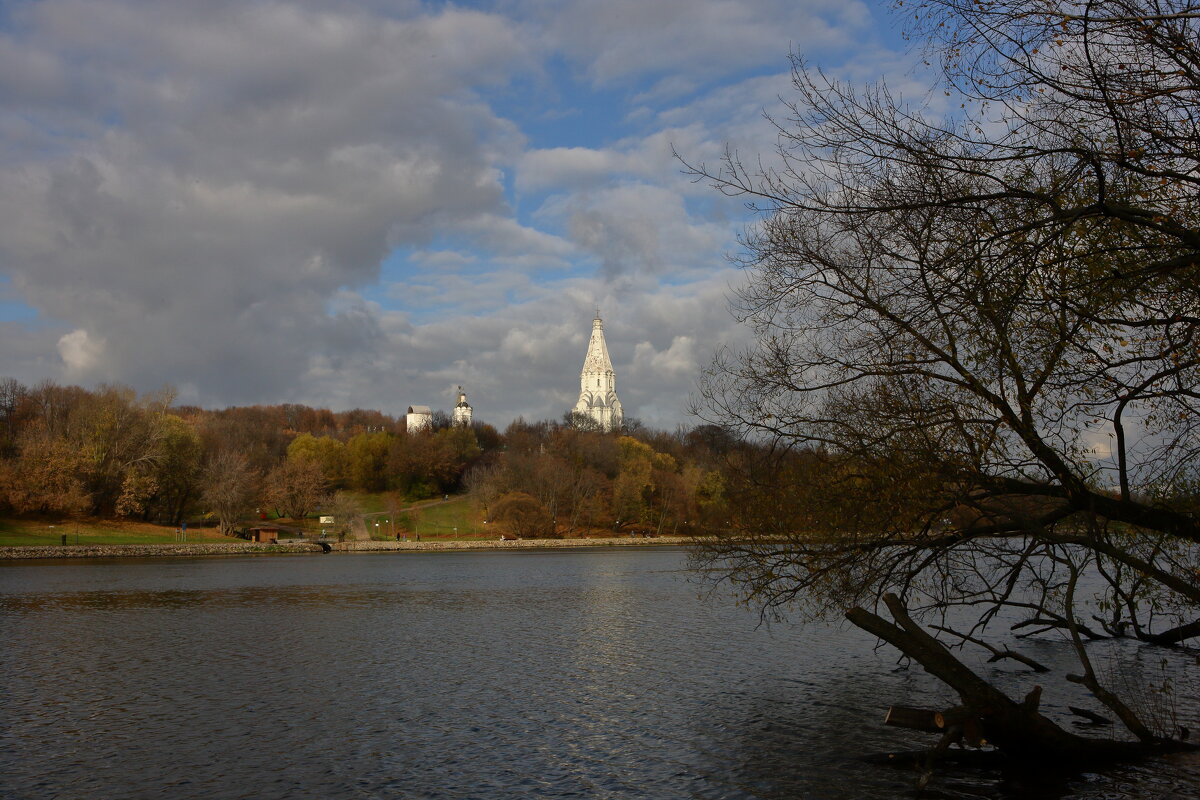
545, 674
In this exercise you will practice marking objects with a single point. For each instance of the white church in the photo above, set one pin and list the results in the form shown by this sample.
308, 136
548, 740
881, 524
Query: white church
598, 383
420, 418
597, 392
462, 410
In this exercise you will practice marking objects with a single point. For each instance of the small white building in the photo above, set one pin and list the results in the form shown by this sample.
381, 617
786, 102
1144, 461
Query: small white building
462, 410
419, 418
598, 383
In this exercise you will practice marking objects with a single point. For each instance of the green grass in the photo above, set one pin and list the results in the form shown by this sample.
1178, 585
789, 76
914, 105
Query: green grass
369, 502
440, 521
377, 502
436, 521
18, 532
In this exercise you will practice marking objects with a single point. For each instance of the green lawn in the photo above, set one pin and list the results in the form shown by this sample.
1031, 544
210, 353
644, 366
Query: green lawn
34, 532
370, 502
436, 521
440, 521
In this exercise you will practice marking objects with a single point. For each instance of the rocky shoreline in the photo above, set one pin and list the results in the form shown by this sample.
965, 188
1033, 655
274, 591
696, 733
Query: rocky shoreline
182, 550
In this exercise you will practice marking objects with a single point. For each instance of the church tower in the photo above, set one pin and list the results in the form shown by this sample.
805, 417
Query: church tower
462, 410
598, 383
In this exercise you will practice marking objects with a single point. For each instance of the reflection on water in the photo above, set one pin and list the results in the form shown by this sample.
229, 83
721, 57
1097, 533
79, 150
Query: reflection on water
467, 675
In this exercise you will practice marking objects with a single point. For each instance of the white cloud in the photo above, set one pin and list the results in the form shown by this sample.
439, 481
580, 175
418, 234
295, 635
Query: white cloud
680, 359
204, 193
80, 352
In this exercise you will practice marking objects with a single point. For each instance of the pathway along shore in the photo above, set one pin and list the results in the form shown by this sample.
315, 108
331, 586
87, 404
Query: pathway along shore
174, 550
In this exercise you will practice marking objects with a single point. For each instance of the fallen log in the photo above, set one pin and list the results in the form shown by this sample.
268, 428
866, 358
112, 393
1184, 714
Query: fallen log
916, 719
965, 725
1016, 728
1091, 716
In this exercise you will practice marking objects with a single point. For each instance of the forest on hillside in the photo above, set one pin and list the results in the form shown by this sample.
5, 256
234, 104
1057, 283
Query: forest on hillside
108, 452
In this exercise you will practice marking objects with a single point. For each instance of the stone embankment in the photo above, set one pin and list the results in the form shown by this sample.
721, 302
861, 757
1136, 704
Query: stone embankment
175, 550
519, 544
153, 550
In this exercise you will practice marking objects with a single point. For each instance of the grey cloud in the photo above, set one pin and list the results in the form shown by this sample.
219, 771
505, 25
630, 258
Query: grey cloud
524, 360
639, 228
220, 170
199, 194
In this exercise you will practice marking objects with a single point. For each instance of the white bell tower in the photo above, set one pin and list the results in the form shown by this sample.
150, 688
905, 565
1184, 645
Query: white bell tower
462, 410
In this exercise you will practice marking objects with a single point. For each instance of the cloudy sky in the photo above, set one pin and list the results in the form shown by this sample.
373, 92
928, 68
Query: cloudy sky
365, 205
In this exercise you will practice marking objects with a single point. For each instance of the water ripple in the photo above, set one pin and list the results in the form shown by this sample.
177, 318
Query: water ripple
466, 675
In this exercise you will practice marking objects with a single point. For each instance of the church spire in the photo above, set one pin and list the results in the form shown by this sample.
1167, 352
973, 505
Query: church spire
598, 383
597, 359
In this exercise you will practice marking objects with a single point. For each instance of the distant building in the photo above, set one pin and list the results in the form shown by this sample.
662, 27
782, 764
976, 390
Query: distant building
263, 535
462, 410
419, 418
598, 383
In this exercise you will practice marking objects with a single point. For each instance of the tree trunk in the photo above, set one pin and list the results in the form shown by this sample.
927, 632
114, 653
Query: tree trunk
1015, 728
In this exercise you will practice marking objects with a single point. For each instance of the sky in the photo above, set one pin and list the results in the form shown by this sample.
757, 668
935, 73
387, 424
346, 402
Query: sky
367, 204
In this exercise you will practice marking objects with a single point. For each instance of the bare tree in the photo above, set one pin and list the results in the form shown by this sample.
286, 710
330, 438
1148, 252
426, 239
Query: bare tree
347, 517
12, 395
295, 487
581, 422
230, 485
976, 365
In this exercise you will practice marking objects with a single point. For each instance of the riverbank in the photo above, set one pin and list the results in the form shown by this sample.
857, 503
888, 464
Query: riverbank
183, 550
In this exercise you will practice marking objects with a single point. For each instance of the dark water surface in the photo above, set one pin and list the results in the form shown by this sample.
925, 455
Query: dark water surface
588, 674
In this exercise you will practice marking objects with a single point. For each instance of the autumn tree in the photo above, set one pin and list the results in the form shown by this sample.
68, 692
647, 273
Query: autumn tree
462, 448
647, 487
588, 461
431, 462
347, 517
110, 442
45, 476
361, 420
325, 451
523, 516
366, 461
260, 433
486, 436
177, 472
590, 479
230, 487
303, 419
975, 370
295, 487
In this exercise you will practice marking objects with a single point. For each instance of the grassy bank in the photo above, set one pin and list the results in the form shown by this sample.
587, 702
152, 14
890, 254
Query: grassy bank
455, 519
22, 532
